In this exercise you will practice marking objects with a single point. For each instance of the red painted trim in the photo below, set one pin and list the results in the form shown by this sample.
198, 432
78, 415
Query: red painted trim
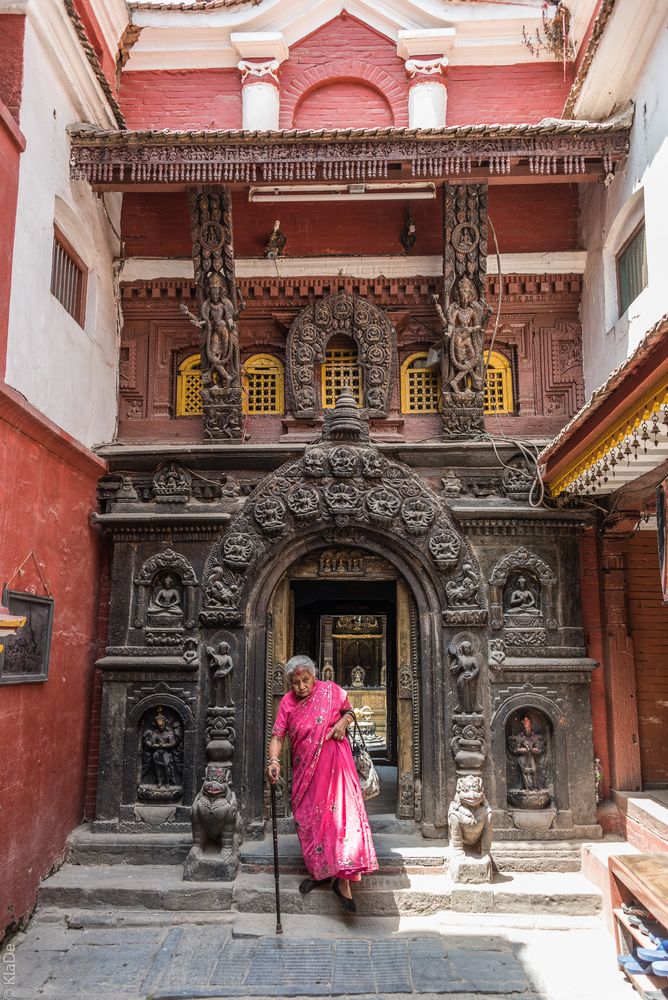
18, 412
635, 383
96, 38
11, 127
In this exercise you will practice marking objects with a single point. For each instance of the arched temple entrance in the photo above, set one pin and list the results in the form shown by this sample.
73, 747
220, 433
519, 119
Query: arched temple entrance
341, 508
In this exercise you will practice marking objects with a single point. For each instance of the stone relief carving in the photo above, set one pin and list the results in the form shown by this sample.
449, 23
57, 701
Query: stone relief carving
336, 482
522, 598
366, 324
172, 484
341, 562
465, 663
165, 600
530, 778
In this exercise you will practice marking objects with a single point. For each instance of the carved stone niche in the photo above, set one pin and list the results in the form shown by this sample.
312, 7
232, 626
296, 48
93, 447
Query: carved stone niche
157, 764
530, 768
165, 599
522, 599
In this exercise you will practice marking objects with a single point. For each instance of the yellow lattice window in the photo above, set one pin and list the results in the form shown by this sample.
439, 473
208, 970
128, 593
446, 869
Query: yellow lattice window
341, 369
188, 385
420, 386
498, 383
263, 384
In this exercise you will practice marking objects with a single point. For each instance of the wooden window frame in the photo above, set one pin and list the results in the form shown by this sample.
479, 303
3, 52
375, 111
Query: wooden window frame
179, 399
79, 316
323, 376
508, 382
405, 392
618, 255
280, 385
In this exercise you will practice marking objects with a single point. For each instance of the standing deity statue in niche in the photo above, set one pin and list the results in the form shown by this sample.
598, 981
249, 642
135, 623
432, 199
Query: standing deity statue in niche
522, 598
162, 758
220, 658
528, 747
219, 336
465, 668
165, 606
462, 367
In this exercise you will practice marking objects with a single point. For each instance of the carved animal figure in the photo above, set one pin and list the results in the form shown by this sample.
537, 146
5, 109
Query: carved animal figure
215, 816
470, 817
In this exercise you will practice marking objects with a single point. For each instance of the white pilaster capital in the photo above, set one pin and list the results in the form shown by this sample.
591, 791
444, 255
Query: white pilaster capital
425, 44
426, 67
258, 69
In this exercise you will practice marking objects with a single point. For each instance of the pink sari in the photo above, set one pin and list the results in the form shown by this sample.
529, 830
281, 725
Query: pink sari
327, 803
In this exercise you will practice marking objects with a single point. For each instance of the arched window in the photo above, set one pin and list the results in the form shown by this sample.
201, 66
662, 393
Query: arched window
498, 383
341, 369
420, 386
188, 385
263, 384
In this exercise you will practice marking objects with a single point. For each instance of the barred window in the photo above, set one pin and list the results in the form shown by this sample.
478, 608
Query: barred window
420, 386
632, 269
188, 385
498, 383
263, 385
341, 369
68, 278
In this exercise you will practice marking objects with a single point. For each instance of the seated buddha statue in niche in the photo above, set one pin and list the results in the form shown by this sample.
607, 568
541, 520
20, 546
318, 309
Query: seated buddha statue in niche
166, 605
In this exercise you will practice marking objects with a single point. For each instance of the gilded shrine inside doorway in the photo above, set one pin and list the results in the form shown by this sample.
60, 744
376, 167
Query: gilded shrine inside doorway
353, 614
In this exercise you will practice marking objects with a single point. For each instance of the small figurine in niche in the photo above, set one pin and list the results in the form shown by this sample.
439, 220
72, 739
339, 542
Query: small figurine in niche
528, 746
222, 677
522, 598
358, 677
408, 233
276, 242
160, 754
465, 668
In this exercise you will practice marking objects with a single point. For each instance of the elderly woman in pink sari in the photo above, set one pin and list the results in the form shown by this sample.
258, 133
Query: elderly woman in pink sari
327, 803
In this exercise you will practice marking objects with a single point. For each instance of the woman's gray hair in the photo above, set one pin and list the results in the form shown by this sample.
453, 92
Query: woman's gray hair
300, 662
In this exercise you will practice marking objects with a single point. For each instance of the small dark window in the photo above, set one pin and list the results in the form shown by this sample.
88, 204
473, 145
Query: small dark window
68, 278
632, 269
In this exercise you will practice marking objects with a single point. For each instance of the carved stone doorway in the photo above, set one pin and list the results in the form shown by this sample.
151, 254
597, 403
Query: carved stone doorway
353, 613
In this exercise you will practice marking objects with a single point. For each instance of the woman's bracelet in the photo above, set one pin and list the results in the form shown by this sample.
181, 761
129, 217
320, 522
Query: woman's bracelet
273, 760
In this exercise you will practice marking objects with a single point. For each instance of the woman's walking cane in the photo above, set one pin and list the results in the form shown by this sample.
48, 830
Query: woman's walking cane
272, 786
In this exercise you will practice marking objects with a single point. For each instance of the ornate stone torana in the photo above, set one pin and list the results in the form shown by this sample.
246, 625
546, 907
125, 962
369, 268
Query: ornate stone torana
470, 823
348, 483
465, 312
165, 598
355, 317
219, 306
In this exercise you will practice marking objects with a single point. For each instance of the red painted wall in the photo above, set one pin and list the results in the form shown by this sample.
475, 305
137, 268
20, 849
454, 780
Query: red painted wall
47, 490
526, 218
12, 30
343, 104
181, 99
592, 622
526, 92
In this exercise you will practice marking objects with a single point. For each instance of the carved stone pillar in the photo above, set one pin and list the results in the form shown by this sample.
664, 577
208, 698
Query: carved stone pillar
219, 305
464, 311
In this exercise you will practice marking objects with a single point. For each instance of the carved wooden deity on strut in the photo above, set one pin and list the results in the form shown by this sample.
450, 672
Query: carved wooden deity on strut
462, 366
219, 336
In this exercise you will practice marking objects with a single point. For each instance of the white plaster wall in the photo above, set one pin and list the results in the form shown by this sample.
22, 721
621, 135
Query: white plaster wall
609, 215
67, 372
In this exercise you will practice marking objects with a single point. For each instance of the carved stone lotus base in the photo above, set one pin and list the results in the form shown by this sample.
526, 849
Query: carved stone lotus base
159, 793
470, 869
522, 798
533, 820
219, 866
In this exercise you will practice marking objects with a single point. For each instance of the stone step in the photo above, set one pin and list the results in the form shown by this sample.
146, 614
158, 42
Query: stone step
563, 893
396, 853
157, 887
88, 848
379, 823
161, 887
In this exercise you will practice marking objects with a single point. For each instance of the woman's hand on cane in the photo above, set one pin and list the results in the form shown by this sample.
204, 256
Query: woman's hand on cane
274, 771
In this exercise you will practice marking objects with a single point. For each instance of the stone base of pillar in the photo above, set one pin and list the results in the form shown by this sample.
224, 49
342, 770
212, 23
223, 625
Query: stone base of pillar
201, 866
223, 420
463, 419
470, 870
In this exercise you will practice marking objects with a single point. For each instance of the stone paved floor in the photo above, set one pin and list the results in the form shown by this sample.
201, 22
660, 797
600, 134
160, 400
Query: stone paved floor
150, 955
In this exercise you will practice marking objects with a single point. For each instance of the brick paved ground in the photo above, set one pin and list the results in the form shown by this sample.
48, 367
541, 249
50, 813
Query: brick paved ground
143, 954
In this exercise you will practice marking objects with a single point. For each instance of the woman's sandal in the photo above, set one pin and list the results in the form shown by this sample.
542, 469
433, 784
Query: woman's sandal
309, 884
347, 904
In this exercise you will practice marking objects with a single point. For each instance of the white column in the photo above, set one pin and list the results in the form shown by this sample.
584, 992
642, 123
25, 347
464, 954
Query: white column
428, 95
260, 96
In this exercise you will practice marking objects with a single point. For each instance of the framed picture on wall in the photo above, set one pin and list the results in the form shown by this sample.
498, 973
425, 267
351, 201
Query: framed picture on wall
25, 656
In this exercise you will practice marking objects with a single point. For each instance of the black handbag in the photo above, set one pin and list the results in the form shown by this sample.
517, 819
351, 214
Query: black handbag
366, 772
